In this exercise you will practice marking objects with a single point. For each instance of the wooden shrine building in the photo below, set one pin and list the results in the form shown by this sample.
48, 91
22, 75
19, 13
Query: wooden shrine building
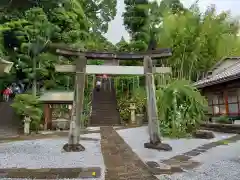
222, 88
52, 99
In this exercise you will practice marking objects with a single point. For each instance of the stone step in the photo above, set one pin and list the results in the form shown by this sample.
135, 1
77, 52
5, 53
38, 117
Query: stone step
104, 108
108, 110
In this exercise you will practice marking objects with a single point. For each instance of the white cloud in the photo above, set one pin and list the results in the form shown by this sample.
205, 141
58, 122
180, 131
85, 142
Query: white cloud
117, 30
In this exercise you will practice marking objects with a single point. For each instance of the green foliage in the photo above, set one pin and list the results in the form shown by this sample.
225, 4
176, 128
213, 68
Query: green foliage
135, 95
33, 25
223, 119
175, 6
139, 98
198, 41
136, 23
181, 108
135, 18
27, 105
123, 108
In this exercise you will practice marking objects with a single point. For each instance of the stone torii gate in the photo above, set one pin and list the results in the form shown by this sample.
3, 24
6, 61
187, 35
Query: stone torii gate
81, 68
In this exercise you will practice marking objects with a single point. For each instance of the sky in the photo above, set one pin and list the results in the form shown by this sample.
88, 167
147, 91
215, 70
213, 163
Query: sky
116, 29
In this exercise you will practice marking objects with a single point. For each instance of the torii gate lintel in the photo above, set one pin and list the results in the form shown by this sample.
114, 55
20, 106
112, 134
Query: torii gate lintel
154, 54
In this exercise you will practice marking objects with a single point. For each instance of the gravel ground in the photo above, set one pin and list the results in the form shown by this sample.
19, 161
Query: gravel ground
179, 145
220, 163
47, 153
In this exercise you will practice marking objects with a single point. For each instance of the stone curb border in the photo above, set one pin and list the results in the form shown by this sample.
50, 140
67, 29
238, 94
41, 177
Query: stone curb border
225, 128
50, 135
51, 173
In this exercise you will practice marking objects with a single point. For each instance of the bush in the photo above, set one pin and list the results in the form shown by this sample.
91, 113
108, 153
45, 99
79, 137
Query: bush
223, 119
138, 97
181, 108
27, 105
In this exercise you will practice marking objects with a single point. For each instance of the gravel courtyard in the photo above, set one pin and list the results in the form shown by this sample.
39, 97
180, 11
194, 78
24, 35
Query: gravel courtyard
221, 162
47, 153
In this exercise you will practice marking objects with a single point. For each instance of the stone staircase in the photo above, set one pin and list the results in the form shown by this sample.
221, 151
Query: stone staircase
9, 124
104, 106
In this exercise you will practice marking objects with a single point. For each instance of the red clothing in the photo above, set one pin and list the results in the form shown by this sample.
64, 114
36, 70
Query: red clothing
105, 76
7, 91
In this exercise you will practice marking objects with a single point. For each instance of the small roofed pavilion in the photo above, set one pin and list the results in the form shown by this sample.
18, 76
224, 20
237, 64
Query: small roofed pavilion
52, 99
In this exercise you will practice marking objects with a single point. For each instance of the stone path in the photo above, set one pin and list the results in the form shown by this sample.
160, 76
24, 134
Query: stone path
120, 161
183, 162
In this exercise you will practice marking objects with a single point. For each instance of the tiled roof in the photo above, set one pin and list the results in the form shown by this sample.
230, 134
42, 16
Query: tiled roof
228, 74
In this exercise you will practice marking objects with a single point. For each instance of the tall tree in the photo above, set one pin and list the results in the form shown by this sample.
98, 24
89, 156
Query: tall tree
175, 6
136, 23
198, 41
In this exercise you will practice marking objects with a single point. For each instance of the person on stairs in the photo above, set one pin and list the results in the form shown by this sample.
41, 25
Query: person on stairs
98, 85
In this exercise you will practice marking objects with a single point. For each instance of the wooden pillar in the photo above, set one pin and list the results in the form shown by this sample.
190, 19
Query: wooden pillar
225, 96
50, 116
152, 111
79, 91
93, 81
46, 116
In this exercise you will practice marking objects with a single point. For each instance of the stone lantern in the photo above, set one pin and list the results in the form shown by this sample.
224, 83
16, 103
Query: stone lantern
27, 121
132, 109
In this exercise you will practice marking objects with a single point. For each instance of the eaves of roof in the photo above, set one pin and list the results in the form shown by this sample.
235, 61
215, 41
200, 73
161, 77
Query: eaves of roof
228, 74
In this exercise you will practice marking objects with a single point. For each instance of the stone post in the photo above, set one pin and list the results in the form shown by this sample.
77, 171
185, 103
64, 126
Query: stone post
27, 121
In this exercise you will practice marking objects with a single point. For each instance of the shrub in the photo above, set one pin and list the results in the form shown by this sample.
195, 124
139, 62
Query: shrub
138, 97
181, 108
27, 105
223, 119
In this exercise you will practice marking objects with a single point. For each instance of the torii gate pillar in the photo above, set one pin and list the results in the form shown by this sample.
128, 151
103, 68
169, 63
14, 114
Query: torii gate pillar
76, 117
152, 112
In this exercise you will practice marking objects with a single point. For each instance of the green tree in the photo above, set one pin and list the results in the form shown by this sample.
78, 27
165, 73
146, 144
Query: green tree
136, 23
175, 6
198, 41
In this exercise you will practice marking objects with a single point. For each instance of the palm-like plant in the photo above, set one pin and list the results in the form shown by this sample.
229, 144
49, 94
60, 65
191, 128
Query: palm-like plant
181, 108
